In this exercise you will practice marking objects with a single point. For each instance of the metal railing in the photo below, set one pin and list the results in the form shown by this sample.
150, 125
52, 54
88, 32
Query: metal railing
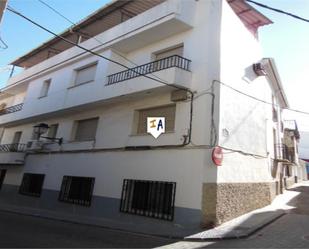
12, 147
11, 109
148, 198
283, 152
168, 62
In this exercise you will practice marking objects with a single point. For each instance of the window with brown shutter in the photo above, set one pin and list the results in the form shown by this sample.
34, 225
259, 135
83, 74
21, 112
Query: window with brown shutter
85, 74
169, 52
167, 111
86, 129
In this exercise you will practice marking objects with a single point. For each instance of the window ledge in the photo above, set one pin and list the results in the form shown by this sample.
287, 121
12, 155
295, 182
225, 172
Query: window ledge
148, 134
73, 86
78, 141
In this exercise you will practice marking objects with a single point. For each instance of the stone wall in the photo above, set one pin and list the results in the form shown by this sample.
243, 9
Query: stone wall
225, 201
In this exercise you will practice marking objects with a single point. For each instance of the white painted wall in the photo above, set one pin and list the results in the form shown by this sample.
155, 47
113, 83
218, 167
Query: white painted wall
109, 169
224, 54
304, 145
244, 122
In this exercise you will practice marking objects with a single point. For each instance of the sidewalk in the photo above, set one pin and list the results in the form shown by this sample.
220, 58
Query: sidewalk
251, 222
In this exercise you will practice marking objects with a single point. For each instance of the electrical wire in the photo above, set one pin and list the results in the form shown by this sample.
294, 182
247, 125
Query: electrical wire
258, 99
5, 45
213, 142
188, 137
278, 10
94, 53
93, 37
56, 11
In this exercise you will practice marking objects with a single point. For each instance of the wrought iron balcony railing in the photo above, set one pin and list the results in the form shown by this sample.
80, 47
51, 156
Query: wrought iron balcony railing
151, 67
284, 154
11, 109
12, 147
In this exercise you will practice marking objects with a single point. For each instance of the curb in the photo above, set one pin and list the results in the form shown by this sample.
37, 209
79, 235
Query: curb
233, 232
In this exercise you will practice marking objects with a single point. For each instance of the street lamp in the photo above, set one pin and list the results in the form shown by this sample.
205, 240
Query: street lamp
42, 128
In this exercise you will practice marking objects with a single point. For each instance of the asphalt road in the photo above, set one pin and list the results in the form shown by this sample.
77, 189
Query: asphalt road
27, 231
290, 231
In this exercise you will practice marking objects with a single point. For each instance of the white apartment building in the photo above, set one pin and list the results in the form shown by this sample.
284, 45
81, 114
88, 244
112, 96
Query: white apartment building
96, 163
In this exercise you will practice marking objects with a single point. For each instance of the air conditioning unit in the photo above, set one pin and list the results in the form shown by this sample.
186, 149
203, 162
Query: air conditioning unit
259, 69
35, 145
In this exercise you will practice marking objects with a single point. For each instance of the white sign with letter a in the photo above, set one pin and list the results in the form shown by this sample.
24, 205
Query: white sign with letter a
155, 126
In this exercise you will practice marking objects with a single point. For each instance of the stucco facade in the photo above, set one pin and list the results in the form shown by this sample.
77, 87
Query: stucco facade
221, 50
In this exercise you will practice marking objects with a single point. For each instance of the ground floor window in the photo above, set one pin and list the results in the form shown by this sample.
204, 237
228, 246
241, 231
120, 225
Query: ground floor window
2, 176
32, 184
148, 198
77, 190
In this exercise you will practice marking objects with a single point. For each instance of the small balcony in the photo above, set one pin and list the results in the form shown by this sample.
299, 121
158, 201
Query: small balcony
284, 154
174, 61
12, 154
11, 109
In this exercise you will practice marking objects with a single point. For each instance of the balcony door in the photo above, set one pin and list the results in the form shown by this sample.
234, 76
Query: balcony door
15, 141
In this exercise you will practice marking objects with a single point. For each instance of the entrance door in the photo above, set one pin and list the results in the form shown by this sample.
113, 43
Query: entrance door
2, 175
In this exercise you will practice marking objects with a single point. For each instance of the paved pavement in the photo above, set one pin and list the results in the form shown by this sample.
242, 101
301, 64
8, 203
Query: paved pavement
27, 231
289, 231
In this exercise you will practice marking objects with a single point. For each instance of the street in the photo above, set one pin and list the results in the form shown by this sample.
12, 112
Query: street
289, 231
28, 231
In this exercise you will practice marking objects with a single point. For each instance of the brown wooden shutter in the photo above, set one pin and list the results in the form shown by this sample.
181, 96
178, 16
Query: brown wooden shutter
170, 52
85, 74
86, 129
163, 111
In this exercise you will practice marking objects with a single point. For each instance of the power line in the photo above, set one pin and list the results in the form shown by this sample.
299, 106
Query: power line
258, 99
5, 45
141, 74
94, 53
56, 11
93, 37
279, 11
188, 137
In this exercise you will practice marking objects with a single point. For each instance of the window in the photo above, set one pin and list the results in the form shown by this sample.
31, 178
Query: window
77, 190
86, 129
32, 184
2, 176
52, 131
169, 52
148, 198
163, 111
45, 88
85, 74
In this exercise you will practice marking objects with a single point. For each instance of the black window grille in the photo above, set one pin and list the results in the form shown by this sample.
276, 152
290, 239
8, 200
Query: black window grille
32, 184
77, 190
148, 198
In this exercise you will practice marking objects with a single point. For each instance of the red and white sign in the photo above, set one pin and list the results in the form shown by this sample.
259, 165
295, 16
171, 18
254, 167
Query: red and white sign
217, 156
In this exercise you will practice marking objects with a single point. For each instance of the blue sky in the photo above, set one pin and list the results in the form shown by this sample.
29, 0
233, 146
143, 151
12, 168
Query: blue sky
287, 40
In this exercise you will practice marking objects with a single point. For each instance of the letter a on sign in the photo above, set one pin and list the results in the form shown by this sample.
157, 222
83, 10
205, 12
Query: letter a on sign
155, 126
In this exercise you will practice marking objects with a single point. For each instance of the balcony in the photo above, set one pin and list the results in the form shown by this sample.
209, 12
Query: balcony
12, 154
151, 67
11, 109
284, 154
